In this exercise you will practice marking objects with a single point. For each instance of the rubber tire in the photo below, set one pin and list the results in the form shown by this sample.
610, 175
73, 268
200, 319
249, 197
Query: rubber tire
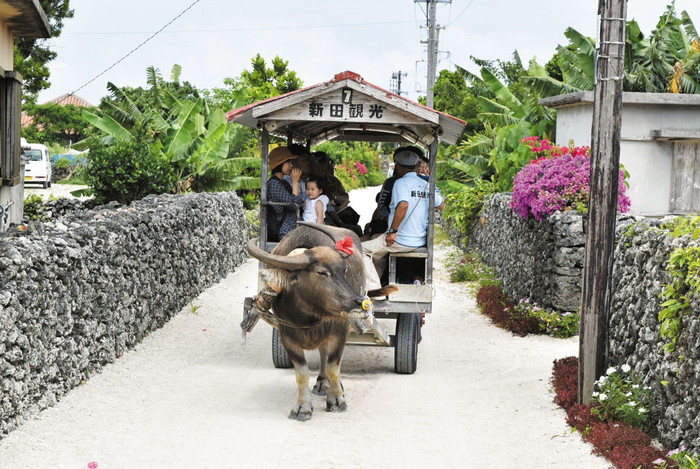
44, 185
406, 347
49, 183
280, 357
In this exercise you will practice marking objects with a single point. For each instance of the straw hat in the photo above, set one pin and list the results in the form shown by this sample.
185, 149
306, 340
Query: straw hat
280, 155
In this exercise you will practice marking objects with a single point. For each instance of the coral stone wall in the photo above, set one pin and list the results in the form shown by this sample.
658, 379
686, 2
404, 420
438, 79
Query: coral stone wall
77, 292
641, 256
542, 261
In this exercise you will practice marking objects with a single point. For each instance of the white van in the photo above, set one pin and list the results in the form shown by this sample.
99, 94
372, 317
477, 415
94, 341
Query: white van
38, 164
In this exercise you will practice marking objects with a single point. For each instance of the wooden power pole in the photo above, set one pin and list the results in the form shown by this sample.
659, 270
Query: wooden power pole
602, 215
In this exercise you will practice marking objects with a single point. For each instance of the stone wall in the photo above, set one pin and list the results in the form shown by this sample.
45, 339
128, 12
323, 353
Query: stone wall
543, 261
77, 292
641, 256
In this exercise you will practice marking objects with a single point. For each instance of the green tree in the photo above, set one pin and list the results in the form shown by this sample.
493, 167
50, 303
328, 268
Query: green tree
667, 60
454, 96
52, 123
31, 55
158, 95
258, 83
193, 137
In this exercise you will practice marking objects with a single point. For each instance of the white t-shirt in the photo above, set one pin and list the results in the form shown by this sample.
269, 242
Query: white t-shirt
310, 208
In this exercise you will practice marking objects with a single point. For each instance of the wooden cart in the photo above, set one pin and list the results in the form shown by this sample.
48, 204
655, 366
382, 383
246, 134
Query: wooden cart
347, 108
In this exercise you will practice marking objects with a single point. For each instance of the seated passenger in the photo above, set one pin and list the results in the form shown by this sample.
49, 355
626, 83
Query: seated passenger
279, 190
408, 219
316, 201
380, 218
339, 212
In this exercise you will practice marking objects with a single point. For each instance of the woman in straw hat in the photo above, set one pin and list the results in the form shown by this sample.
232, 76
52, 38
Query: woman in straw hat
279, 190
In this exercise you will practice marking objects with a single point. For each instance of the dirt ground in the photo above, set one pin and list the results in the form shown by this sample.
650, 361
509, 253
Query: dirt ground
57, 190
192, 395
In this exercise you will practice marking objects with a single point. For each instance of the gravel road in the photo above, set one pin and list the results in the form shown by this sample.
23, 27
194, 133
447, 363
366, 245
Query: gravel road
191, 395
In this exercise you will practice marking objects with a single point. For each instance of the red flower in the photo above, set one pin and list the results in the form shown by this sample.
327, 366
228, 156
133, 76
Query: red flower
344, 245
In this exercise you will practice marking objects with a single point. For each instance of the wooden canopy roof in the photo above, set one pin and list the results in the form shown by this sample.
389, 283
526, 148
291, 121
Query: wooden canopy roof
25, 18
348, 108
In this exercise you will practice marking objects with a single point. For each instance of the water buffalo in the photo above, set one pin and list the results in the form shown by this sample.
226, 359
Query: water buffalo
316, 288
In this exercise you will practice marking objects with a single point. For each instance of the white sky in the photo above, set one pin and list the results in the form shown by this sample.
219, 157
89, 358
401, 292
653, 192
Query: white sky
216, 39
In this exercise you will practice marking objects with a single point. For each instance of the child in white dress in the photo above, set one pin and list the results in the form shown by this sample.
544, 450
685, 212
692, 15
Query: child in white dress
315, 205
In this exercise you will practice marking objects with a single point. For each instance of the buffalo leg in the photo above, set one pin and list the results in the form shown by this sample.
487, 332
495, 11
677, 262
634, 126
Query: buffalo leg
322, 384
303, 409
335, 399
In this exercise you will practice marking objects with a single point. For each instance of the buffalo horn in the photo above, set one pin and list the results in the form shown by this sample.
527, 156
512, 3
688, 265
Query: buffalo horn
323, 228
298, 262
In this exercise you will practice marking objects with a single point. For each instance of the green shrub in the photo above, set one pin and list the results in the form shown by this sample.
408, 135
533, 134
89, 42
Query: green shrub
621, 395
464, 206
469, 267
375, 178
553, 323
34, 208
128, 171
684, 272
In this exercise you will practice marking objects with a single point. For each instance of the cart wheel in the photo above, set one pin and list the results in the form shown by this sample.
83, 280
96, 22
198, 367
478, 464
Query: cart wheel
280, 357
406, 347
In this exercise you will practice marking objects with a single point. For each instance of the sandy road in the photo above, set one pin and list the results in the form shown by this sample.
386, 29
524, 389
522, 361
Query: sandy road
192, 396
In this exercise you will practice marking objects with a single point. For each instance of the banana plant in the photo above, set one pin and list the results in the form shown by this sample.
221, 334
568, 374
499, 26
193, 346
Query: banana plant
189, 135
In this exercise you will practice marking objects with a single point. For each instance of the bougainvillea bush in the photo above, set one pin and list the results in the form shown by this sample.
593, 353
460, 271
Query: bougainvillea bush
558, 180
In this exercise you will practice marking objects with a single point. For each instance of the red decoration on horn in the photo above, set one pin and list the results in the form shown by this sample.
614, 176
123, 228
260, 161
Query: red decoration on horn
344, 245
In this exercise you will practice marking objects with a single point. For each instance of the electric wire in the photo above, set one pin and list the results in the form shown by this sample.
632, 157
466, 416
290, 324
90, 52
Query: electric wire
461, 13
130, 52
278, 28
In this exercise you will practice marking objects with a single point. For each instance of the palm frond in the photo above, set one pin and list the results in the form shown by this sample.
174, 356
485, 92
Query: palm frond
503, 94
584, 44
124, 101
498, 119
175, 74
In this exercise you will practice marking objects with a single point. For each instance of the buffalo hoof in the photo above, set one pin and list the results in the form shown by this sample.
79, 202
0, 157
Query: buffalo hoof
336, 404
301, 412
321, 387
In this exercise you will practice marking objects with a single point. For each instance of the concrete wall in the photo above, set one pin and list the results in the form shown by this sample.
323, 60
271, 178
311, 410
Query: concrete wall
6, 47
78, 292
648, 159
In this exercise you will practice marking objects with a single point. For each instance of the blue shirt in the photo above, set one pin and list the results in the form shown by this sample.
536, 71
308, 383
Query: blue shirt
413, 190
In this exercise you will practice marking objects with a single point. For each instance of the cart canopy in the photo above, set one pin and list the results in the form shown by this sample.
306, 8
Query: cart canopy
347, 108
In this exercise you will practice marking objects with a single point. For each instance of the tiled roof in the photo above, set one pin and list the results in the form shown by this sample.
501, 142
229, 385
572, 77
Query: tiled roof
62, 100
68, 98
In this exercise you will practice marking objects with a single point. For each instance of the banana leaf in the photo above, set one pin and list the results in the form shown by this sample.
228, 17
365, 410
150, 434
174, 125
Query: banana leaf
108, 125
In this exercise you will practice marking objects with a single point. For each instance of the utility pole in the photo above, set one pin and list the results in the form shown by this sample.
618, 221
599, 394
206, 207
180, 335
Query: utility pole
602, 214
433, 39
432, 52
396, 81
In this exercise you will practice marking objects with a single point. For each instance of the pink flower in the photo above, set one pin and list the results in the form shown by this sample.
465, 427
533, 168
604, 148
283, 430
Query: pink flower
560, 180
92, 465
362, 169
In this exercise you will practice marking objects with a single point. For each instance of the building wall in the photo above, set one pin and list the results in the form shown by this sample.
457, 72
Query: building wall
6, 47
648, 160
